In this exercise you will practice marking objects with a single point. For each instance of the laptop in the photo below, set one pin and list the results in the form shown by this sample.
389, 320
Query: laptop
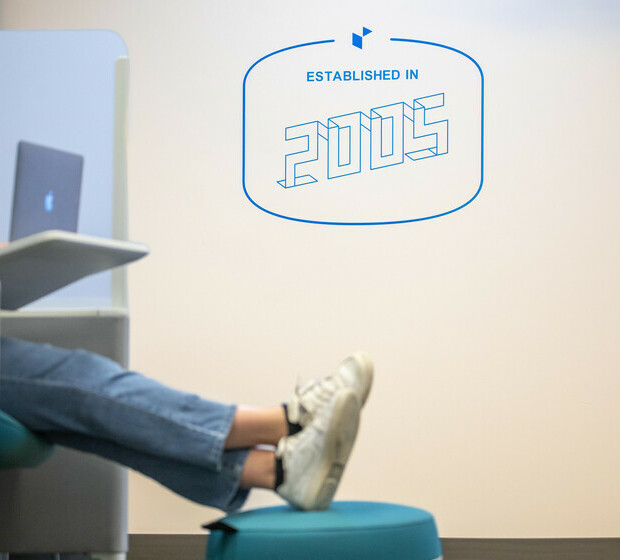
46, 194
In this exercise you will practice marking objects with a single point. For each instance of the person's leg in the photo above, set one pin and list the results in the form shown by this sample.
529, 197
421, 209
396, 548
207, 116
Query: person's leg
87, 402
222, 488
56, 390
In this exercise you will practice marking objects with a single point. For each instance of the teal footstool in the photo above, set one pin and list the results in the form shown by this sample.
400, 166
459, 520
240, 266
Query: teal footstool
19, 447
347, 531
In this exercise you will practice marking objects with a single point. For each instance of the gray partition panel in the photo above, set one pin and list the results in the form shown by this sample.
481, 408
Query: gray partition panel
104, 332
74, 502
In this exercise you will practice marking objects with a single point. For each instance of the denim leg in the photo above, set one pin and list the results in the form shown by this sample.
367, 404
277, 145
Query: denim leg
88, 402
218, 489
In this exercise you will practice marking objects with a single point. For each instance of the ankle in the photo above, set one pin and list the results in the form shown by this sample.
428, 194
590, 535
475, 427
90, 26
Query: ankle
259, 470
257, 426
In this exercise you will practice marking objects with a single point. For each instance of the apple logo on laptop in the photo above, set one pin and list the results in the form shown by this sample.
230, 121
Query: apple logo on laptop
49, 201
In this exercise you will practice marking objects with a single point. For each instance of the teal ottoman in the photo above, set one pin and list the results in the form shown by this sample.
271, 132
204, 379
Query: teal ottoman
347, 531
19, 447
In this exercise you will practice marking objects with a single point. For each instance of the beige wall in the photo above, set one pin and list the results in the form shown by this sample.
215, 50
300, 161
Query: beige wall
494, 330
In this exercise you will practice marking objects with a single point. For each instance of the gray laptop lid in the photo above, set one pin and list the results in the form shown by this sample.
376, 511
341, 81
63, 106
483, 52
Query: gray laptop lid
47, 190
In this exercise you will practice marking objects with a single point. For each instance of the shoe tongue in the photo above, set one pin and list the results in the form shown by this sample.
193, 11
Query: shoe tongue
281, 448
295, 411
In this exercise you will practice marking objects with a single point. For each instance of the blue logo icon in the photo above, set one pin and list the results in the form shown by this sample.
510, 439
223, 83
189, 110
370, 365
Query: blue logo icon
357, 39
49, 201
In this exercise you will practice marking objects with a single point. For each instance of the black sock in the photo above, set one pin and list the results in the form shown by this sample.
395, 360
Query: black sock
293, 428
279, 473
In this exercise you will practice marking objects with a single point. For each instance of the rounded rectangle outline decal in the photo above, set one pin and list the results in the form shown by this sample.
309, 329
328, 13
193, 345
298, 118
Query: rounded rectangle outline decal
304, 220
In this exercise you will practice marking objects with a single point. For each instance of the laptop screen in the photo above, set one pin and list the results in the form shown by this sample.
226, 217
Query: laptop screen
46, 191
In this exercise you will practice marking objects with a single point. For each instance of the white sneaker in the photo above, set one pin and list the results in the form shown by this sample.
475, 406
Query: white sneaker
314, 459
355, 373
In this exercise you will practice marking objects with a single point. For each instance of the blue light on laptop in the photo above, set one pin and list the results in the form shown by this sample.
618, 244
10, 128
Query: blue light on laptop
49, 201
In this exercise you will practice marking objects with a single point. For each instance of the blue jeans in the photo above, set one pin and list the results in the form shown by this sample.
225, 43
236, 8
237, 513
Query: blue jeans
87, 402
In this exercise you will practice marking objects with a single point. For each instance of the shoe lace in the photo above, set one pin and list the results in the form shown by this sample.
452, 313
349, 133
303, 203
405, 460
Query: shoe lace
316, 392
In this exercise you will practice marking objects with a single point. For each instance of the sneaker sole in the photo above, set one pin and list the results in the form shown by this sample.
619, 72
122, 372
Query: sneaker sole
341, 434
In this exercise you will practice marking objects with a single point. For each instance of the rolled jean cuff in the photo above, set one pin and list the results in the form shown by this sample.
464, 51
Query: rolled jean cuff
217, 449
230, 495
